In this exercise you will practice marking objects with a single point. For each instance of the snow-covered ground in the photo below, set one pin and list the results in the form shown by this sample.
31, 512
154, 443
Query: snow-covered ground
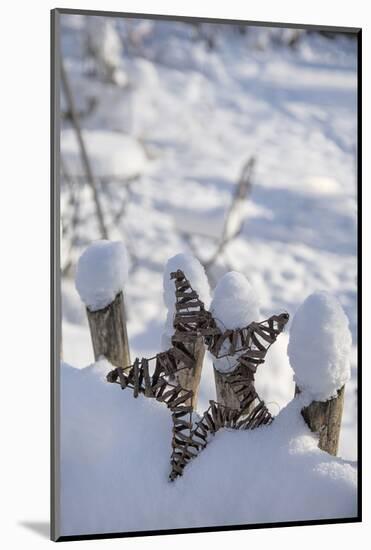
115, 466
181, 124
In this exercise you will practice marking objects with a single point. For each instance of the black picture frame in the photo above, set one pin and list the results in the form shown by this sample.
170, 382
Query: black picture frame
56, 279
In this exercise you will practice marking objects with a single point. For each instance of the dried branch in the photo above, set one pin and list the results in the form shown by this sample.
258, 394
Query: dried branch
83, 152
74, 203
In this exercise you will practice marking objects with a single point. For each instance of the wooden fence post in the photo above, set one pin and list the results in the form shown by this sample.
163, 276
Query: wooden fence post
324, 418
224, 391
108, 332
319, 352
190, 379
234, 305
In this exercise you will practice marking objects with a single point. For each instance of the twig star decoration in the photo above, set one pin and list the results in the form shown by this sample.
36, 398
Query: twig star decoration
191, 432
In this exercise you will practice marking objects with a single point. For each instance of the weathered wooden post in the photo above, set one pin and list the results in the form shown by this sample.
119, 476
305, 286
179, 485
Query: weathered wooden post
188, 378
324, 418
224, 392
233, 306
108, 332
100, 278
319, 353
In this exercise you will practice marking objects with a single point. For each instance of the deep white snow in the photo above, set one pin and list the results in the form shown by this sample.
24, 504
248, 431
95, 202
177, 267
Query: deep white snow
101, 273
115, 466
319, 346
111, 154
217, 222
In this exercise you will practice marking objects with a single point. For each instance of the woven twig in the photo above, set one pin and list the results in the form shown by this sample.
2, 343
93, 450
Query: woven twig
191, 321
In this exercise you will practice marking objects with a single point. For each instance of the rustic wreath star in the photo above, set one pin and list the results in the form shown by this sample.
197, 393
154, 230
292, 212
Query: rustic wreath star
191, 432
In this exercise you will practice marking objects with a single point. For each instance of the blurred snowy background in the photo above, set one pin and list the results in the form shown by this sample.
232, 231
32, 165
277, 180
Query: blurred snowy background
235, 143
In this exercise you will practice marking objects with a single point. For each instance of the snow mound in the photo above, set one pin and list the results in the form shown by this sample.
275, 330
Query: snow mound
196, 275
115, 461
104, 43
234, 305
103, 40
110, 153
219, 221
319, 346
212, 222
101, 273
208, 223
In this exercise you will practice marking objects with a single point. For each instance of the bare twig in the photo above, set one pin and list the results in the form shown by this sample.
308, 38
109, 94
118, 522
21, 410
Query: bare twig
74, 204
84, 156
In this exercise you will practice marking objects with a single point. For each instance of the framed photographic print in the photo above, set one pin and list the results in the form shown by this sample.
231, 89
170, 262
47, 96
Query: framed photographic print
205, 286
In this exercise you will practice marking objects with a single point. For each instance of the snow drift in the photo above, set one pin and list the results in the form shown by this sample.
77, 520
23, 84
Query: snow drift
111, 154
272, 474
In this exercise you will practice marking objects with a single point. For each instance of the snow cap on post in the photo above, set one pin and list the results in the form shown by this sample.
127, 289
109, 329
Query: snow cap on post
234, 305
319, 346
196, 275
101, 273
